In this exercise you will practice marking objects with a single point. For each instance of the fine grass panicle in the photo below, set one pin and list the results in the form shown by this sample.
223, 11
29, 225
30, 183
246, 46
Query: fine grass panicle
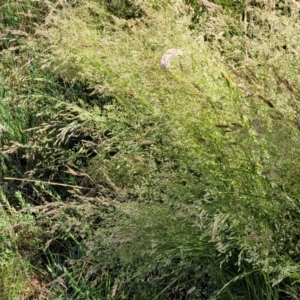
149, 149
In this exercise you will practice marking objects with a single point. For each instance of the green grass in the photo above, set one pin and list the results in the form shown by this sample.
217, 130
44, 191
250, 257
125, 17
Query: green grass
20, 247
122, 180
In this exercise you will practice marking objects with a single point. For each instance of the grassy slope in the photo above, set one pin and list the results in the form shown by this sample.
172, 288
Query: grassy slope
188, 169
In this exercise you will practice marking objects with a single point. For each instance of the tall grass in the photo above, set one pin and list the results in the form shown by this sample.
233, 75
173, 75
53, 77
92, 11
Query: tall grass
151, 183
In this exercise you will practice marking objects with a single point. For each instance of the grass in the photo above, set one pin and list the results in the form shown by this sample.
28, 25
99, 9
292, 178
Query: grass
20, 243
129, 181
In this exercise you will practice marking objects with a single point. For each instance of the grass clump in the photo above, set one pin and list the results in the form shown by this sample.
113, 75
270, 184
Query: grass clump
156, 183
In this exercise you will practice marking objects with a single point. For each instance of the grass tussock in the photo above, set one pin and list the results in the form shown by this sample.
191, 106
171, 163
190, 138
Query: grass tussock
130, 170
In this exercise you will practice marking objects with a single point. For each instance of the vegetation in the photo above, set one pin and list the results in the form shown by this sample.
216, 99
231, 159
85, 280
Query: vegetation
124, 180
